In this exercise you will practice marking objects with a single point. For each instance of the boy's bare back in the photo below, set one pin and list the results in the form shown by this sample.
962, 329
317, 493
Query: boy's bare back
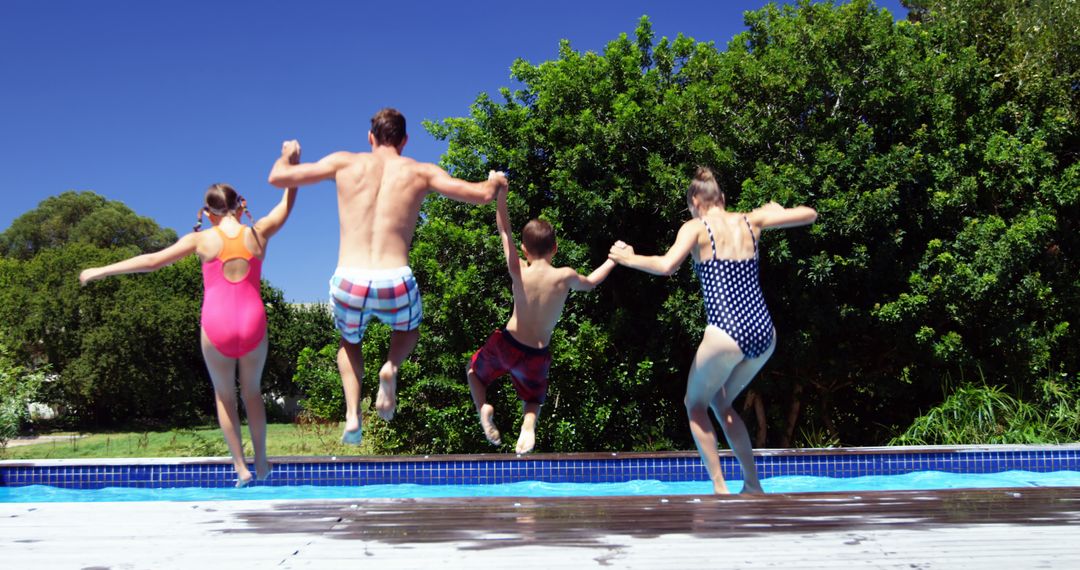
539, 298
540, 289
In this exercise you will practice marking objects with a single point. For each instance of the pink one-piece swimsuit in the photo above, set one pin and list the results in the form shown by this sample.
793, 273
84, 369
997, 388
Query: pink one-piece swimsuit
233, 315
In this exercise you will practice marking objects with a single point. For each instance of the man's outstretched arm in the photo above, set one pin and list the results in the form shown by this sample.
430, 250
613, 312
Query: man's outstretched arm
289, 172
463, 190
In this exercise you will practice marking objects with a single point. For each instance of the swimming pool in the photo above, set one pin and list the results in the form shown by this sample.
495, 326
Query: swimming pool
920, 480
782, 471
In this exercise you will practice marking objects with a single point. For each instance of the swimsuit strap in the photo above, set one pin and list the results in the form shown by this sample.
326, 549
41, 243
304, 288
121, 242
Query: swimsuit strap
711, 240
751, 230
233, 247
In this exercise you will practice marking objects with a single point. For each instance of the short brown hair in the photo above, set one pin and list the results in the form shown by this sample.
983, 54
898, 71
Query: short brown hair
388, 127
705, 187
538, 237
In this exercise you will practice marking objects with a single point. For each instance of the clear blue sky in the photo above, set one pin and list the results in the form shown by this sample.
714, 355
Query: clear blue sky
148, 102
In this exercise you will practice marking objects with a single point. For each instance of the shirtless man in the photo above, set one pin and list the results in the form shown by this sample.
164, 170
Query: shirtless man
379, 195
521, 347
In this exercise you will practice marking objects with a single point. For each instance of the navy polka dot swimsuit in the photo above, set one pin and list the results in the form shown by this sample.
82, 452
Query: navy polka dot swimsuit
733, 299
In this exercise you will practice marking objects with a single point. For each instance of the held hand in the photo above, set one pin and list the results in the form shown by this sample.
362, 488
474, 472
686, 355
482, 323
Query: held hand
86, 276
499, 179
291, 149
621, 252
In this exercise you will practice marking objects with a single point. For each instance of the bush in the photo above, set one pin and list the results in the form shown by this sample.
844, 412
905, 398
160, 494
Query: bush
18, 387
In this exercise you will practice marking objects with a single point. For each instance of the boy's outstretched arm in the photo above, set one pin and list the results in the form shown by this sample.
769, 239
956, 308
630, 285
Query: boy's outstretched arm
589, 282
144, 263
502, 219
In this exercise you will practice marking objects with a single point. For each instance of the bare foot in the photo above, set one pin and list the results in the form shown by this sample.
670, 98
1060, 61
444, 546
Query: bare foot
752, 489
243, 478
526, 441
490, 431
262, 470
719, 487
386, 400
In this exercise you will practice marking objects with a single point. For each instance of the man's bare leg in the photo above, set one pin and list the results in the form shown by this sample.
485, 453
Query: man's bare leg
402, 344
527, 439
486, 411
350, 360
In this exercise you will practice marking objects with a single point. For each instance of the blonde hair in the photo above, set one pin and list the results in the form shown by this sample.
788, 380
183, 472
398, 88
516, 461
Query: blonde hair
705, 188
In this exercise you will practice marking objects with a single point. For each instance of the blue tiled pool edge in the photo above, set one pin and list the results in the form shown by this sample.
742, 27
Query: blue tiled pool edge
554, 468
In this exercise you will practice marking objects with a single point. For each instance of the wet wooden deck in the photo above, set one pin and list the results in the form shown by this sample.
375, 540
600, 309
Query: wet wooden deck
999, 528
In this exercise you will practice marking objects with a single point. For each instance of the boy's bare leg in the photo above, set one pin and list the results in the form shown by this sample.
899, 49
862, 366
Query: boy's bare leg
251, 368
222, 371
350, 361
527, 439
486, 411
402, 344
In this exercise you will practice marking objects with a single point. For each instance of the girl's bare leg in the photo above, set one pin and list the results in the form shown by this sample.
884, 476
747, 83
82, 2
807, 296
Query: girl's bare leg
251, 368
223, 374
717, 355
731, 422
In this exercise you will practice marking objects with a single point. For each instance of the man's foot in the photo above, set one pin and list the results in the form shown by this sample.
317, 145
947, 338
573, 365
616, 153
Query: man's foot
353, 433
386, 400
490, 431
526, 441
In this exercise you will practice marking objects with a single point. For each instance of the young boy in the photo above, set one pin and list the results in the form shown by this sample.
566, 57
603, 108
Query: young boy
521, 347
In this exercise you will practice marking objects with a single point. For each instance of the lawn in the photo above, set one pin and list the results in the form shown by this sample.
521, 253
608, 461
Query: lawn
282, 439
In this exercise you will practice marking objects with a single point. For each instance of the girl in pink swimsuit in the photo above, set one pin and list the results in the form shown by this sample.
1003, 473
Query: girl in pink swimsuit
234, 342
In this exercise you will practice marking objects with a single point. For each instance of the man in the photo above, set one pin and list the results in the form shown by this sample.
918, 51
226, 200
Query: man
379, 196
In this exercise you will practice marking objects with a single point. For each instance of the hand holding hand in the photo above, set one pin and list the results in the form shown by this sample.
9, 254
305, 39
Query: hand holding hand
291, 149
499, 179
621, 252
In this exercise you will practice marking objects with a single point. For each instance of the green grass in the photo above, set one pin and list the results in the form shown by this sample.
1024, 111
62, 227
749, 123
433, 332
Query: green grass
282, 439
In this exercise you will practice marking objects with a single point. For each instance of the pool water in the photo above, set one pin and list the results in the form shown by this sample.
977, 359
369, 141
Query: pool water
921, 480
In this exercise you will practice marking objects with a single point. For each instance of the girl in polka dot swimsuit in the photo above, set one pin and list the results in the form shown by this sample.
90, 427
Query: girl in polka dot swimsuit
739, 338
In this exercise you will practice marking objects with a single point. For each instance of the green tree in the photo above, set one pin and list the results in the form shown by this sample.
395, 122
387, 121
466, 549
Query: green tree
947, 188
126, 350
81, 217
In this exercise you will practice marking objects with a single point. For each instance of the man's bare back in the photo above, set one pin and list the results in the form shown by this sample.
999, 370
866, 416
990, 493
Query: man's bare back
379, 200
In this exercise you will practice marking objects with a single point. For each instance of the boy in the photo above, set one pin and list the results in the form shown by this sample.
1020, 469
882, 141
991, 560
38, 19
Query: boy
521, 347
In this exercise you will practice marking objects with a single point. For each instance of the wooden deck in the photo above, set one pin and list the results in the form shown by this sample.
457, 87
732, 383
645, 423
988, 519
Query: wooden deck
999, 528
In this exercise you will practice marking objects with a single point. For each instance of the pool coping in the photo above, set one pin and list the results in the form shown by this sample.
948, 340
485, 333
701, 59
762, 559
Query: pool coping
585, 456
